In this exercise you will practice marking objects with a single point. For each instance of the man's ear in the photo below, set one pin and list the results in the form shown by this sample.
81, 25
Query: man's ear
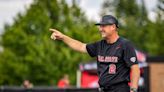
115, 27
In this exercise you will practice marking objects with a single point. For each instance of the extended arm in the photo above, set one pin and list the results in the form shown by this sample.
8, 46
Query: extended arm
72, 43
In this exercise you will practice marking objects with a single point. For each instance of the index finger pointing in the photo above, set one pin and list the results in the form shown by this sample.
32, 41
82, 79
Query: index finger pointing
52, 30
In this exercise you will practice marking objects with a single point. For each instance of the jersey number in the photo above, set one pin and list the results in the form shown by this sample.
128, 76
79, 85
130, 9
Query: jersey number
112, 69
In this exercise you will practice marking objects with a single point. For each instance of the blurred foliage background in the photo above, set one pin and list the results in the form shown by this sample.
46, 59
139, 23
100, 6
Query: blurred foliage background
29, 53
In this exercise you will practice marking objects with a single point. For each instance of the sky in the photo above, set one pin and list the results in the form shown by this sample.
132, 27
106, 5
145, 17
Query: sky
10, 8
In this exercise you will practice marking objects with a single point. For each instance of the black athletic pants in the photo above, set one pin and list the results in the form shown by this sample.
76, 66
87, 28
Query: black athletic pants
120, 87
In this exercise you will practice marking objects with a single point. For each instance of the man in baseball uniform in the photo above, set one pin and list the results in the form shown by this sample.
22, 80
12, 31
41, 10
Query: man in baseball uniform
115, 55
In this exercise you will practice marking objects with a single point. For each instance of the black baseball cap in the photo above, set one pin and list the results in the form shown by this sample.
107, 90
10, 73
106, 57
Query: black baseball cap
108, 20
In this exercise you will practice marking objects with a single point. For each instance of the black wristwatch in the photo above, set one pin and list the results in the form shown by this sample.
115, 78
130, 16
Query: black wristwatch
133, 89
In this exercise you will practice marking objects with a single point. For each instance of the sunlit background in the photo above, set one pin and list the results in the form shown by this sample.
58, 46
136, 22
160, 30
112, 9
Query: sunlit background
30, 59
9, 9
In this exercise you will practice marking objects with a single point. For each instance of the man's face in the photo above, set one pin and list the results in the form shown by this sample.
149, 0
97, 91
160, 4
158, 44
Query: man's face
107, 30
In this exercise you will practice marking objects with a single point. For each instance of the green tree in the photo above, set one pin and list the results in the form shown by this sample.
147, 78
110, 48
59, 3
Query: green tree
157, 30
29, 53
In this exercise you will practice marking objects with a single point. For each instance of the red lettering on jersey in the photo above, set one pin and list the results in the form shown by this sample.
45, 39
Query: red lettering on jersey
101, 58
114, 59
112, 69
108, 59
